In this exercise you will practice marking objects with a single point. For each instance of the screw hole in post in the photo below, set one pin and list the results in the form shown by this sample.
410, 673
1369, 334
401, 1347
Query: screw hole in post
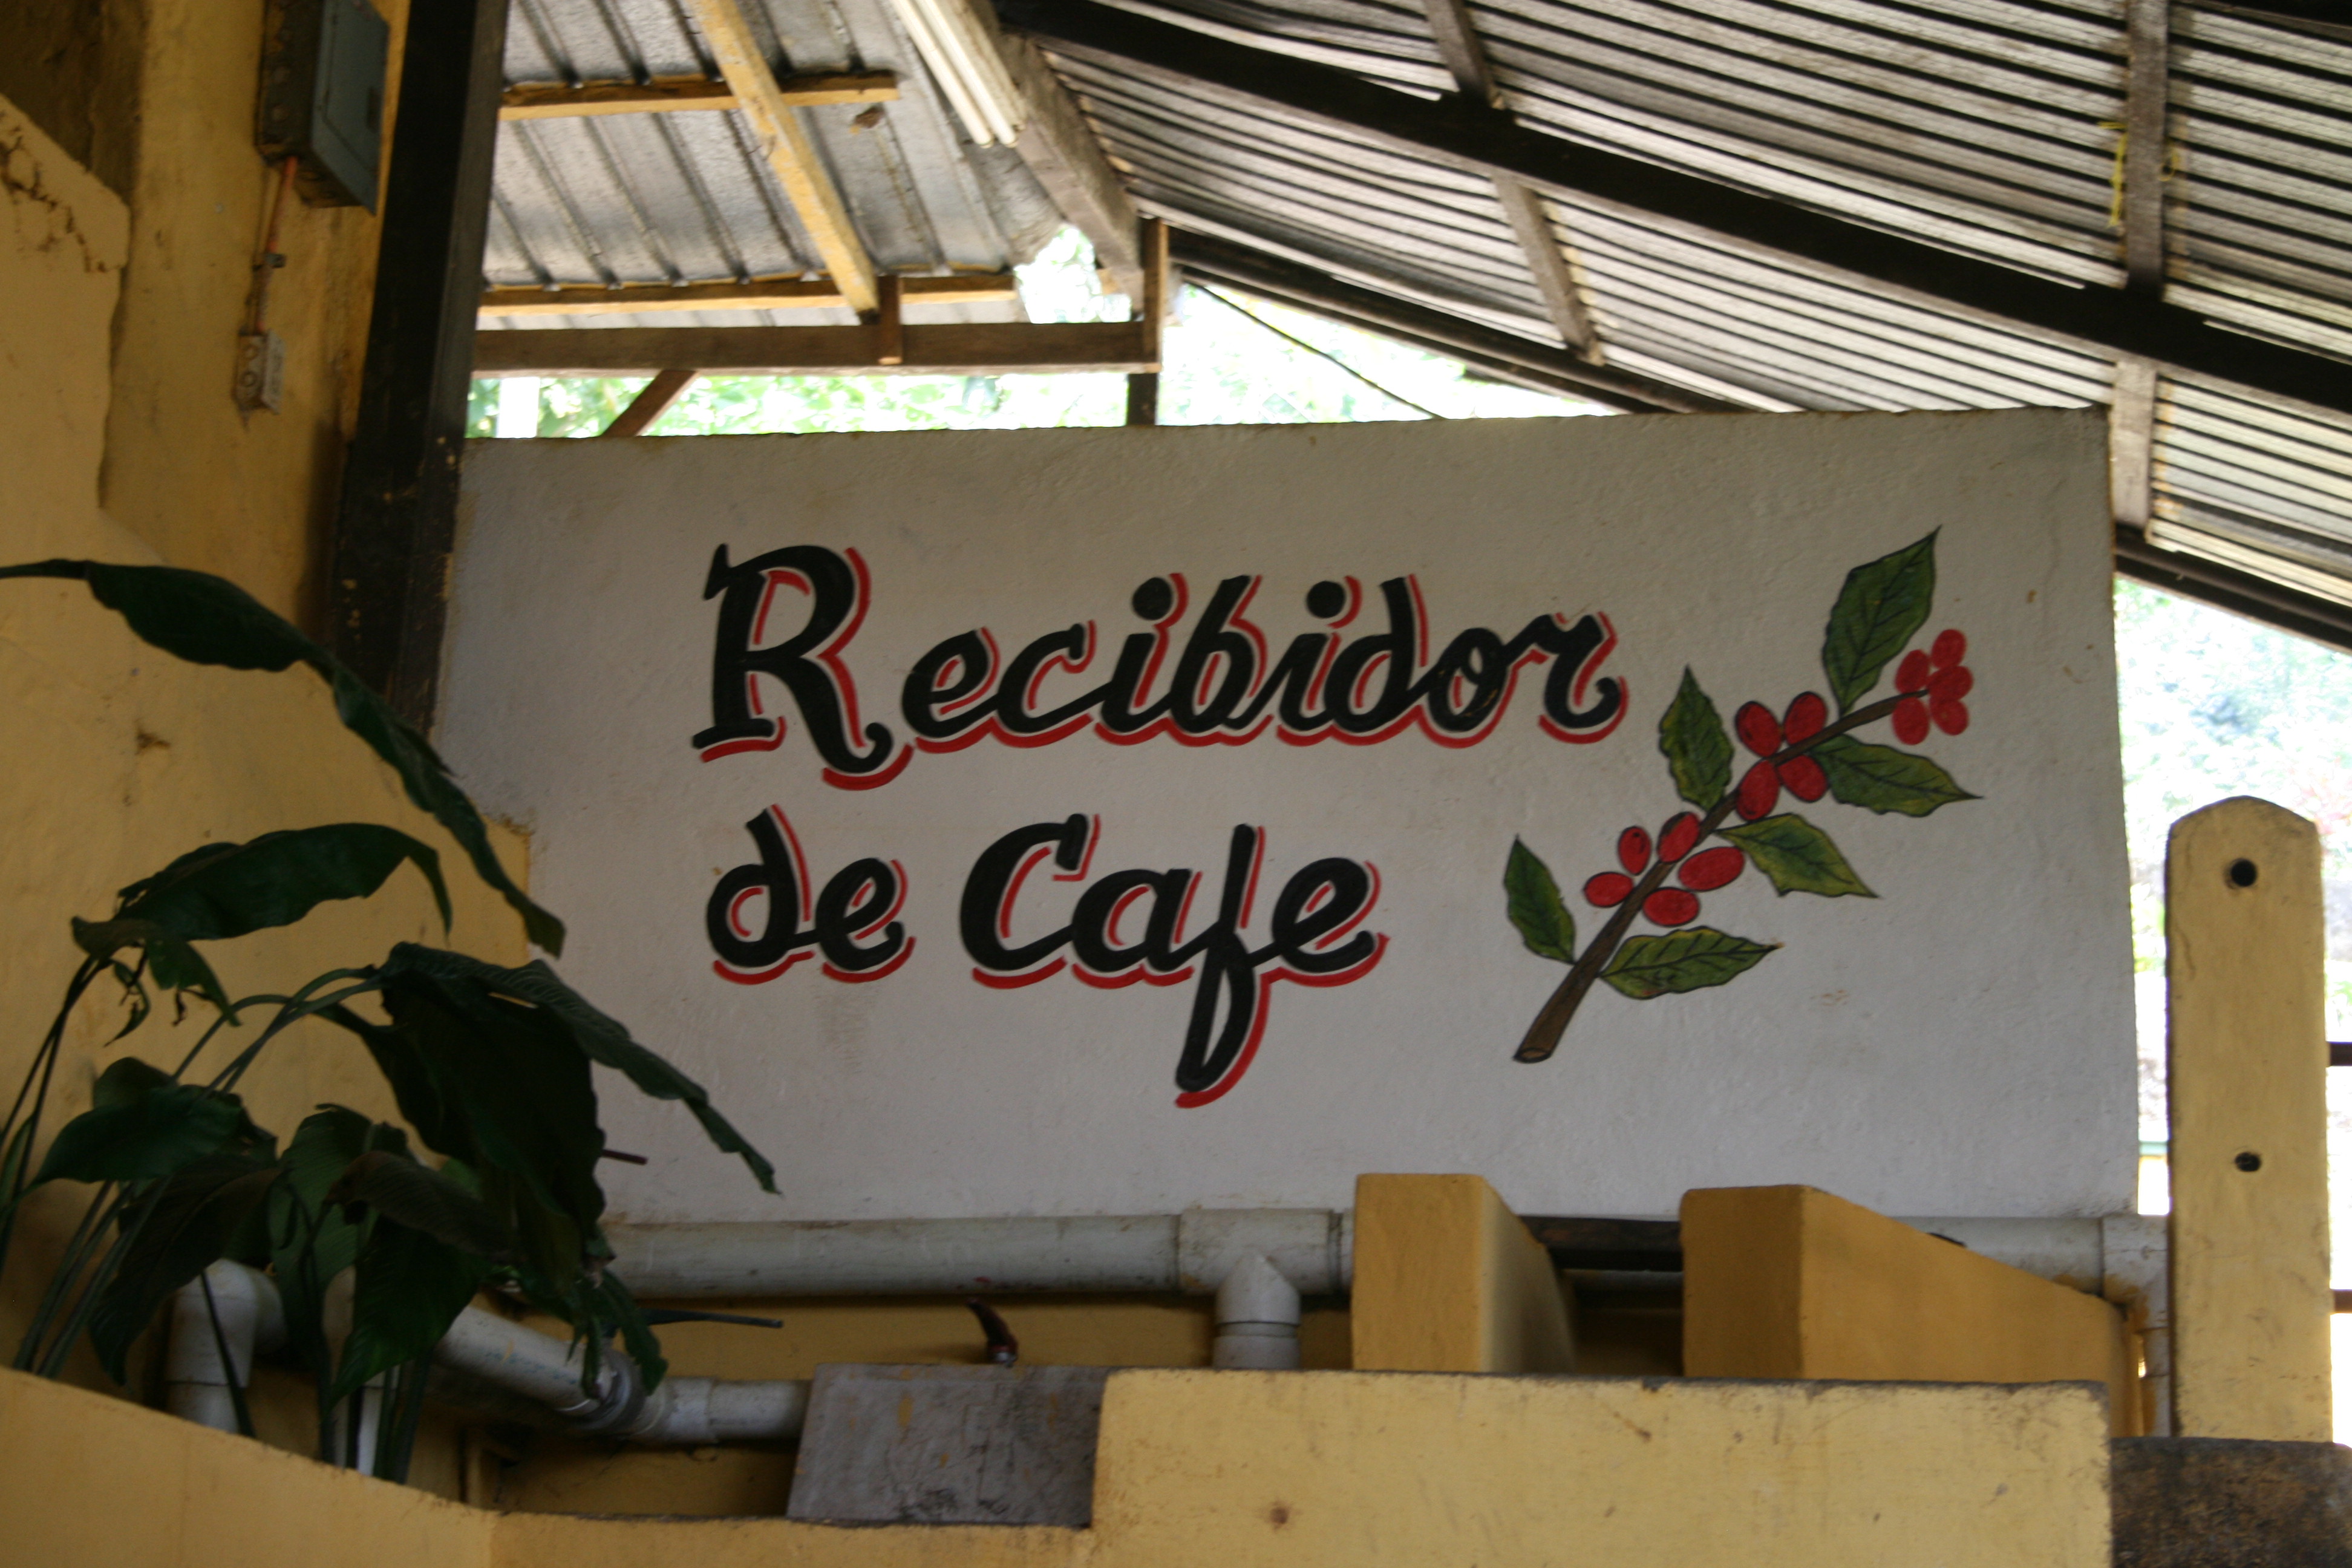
2250, 1162
2242, 873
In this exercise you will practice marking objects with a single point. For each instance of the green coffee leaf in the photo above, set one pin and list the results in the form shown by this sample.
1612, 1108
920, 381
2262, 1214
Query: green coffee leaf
1534, 904
1798, 856
1682, 962
1697, 751
1884, 779
1881, 608
1690, 959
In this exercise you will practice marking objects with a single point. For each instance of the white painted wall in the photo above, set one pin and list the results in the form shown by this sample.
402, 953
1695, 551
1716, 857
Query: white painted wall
1962, 1044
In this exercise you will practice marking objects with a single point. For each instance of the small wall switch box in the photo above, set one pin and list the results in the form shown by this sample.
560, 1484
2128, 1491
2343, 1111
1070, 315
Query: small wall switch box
260, 371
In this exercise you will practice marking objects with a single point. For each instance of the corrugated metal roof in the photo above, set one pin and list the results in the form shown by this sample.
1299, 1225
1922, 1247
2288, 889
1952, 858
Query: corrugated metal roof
1990, 127
683, 198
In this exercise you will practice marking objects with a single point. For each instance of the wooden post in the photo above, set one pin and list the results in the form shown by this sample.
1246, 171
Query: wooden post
388, 592
2248, 1053
889, 325
1151, 310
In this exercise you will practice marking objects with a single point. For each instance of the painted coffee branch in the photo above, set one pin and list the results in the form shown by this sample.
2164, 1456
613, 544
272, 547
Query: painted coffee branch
1519, 991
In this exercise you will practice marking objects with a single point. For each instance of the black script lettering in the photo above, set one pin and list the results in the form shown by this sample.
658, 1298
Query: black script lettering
860, 899
807, 663
1309, 941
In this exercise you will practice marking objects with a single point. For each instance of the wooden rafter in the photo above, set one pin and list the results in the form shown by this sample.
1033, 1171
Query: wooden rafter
816, 293
959, 349
1530, 215
1462, 134
649, 404
1068, 158
559, 101
791, 155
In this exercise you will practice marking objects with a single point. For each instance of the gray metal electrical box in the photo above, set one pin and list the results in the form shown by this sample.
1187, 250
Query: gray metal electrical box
322, 78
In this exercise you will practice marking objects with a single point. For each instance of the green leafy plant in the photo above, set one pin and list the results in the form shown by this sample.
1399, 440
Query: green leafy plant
1883, 605
491, 1067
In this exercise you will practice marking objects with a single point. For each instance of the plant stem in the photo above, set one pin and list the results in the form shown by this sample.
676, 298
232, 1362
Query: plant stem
1543, 1035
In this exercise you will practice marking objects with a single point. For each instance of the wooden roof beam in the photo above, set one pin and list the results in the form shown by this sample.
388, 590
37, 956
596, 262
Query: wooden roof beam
817, 293
1065, 154
559, 101
1471, 136
790, 154
1531, 216
962, 349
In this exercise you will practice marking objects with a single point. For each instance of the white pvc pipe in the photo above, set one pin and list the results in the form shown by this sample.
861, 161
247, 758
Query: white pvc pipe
196, 1383
1192, 1252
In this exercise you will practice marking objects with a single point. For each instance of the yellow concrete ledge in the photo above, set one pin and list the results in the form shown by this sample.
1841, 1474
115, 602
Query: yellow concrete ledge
1346, 1470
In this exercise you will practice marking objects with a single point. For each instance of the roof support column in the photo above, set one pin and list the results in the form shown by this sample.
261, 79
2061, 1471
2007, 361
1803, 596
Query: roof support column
2131, 439
388, 587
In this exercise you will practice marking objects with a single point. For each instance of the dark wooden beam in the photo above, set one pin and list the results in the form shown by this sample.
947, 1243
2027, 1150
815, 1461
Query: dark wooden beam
1062, 152
1468, 135
1508, 357
1151, 313
2226, 587
961, 349
387, 594
649, 404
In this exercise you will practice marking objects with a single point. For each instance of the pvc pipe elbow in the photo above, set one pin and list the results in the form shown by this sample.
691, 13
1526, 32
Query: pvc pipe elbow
1257, 1319
197, 1382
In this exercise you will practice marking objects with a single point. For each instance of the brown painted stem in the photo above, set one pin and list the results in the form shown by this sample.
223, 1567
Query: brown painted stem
1543, 1035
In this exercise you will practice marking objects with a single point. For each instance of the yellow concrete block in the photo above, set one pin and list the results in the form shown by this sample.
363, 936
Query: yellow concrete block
1359, 1469
91, 1483
1792, 1282
1447, 1280
2243, 929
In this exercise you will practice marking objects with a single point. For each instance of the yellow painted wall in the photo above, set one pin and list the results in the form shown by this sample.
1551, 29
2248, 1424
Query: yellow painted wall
1792, 1282
1304, 1470
1447, 1280
120, 757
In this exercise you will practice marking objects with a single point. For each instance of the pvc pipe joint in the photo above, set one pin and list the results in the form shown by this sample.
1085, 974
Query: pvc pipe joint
1257, 1319
196, 1382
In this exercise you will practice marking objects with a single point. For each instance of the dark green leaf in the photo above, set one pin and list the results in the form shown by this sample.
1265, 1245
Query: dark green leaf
210, 620
1533, 901
1884, 779
602, 1039
1698, 753
228, 889
195, 1219
617, 1311
146, 1129
312, 1241
1798, 856
1649, 966
171, 961
401, 1190
1881, 608
410, 1288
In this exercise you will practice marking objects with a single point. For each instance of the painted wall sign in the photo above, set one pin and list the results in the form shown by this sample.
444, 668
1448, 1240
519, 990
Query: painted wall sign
1067, 821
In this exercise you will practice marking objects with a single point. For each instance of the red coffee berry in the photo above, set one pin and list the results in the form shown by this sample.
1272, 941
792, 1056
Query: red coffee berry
1911, 675
1633, 850
1674, 839
1671, 907
1951, 718
1608, 890
1759, 731
1804, 778
1711, 869
1950, 685
1806, 716
1759, 792
1911, 721
1950, 649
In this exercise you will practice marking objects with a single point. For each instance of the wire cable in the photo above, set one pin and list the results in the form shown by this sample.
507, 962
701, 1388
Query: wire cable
1319, 353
